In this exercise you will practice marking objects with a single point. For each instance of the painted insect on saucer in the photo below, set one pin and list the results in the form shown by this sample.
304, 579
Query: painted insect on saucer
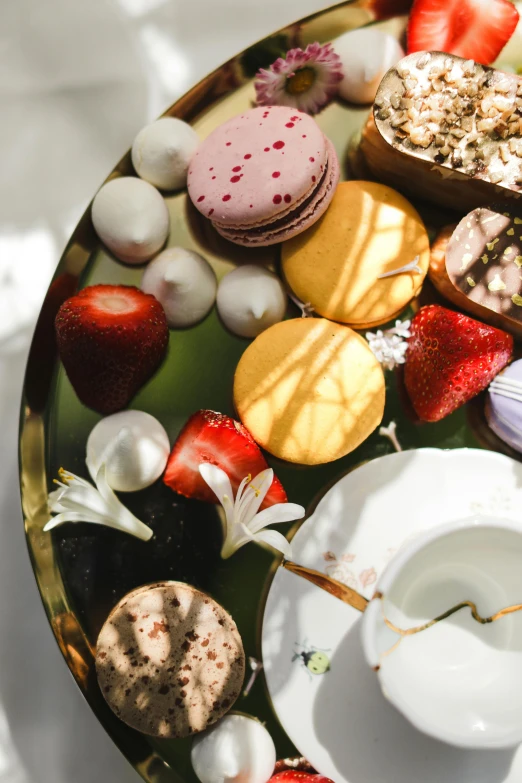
313, 659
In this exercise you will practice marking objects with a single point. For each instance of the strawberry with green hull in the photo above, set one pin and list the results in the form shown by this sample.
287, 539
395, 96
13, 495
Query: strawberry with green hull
111, 339
216, 438
474, 29
450, 359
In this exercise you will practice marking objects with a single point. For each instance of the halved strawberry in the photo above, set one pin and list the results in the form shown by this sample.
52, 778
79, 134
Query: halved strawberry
111, 338
213, 437
450, 359
295, 776
473, 29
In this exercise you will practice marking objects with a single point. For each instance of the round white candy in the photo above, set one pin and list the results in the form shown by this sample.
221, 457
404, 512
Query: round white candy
184, 283
250, 299
238, 749
366, 55
162, 151
131, 218
134, 447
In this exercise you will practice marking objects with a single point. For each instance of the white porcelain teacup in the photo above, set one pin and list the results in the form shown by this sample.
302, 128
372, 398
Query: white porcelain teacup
458, 680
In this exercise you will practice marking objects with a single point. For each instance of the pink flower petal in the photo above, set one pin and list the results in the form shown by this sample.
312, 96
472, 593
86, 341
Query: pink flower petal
270, 84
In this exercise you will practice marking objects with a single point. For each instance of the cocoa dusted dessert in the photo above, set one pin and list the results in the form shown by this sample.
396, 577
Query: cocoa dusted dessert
448, 130
170, 660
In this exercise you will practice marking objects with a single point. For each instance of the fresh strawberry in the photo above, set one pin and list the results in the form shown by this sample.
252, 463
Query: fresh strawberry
111, 338
473, 29
213, 437
294, 776
450, 359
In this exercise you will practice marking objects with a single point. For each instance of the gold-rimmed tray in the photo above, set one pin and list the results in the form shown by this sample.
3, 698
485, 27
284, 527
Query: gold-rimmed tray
83, 571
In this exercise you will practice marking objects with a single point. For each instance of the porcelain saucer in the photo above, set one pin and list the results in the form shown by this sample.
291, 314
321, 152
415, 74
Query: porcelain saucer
322, 690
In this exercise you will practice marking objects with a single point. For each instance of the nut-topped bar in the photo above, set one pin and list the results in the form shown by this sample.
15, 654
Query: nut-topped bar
461, 118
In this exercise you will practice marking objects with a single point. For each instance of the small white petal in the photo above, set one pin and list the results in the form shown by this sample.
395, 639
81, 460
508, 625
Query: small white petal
274, 515
218, 482
257, 489
275, 540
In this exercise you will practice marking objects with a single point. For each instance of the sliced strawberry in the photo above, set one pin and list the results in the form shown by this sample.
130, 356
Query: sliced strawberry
111, 338
213, 437
295, 776
473, 29
450, 359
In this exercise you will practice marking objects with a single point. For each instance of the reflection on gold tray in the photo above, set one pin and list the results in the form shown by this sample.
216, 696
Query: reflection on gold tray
81, 572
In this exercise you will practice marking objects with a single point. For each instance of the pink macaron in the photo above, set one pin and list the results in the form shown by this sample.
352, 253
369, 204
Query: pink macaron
264, 176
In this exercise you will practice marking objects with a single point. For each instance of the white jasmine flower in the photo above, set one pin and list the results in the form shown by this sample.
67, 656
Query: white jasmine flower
244, 521
390, 346
77, 500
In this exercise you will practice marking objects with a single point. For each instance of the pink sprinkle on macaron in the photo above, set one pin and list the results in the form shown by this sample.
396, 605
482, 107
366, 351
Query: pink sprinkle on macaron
276, 174
200, 199
278, 145
235, 179
277, 198
248, 156
236, 168
288, 198
227, 197
289, 125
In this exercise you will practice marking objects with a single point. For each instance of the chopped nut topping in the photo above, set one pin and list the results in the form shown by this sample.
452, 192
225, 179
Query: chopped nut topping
458, 113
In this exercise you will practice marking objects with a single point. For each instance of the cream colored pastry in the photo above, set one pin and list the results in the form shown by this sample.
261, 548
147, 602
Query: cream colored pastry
161, 152
237, 749
309, 390
131, 218
134, 447
364, 261
184, 283
366, 55
250, 299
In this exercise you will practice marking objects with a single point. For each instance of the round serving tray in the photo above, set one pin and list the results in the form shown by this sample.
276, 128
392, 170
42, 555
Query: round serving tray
83, 570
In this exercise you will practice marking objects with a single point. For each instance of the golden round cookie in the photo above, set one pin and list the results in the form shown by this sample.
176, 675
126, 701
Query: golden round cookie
169, 660
309, 390
368, 230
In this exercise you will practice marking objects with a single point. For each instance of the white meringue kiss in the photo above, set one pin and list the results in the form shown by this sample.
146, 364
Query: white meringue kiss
161, 152
366, 55
250, 299
134, 447
237, 749
184, 283
131, 218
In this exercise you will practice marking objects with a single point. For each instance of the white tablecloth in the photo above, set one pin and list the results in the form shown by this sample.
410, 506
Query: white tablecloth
78, 78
